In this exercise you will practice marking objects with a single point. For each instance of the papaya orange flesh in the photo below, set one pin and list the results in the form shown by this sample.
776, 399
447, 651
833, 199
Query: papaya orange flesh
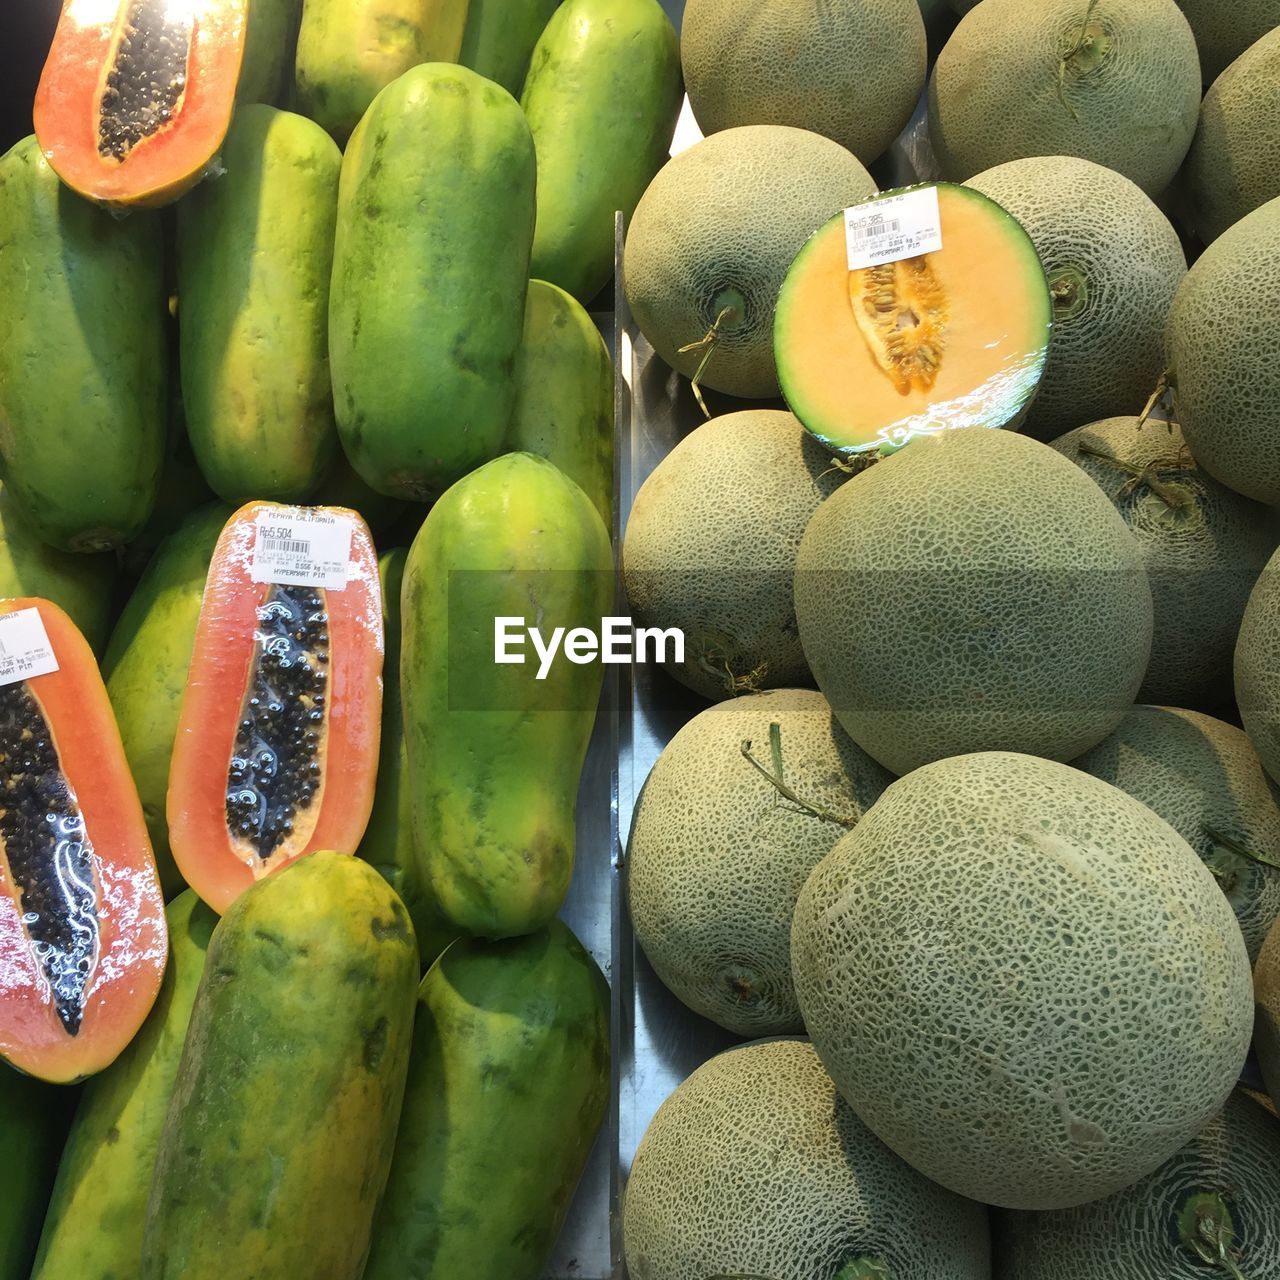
83, 942
276, 753
136, 95
868, 359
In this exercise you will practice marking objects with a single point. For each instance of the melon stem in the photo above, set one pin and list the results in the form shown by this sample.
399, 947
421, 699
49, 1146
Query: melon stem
1161, 395
776, 776
1174, 499
1210, 1233
1080, 43
707, 345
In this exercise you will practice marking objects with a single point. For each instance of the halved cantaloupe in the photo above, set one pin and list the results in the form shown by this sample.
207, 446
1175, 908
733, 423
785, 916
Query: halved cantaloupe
276, 752
870, 359
136, 95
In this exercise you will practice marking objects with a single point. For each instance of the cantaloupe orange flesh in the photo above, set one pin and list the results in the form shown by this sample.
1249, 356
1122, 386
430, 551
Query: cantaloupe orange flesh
136, 95
869, 359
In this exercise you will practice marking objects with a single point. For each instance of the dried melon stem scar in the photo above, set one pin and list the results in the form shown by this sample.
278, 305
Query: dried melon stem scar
1176, 499
901, 311
707, 345
1162, 396
1084, 42
777, 777
1207, 1231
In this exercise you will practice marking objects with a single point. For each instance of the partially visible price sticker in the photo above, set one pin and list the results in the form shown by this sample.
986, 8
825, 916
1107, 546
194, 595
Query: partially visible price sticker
25, 650
301, 547
893, 228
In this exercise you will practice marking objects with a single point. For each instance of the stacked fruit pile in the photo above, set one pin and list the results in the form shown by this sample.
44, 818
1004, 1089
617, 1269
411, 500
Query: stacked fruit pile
286, 285
241, 348
987, 897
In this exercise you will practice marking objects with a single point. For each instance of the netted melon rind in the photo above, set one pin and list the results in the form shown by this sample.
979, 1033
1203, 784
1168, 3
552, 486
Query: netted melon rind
1135, 1234
1234, 163
754, 1166
973, 592
1202, 776
729, 215
851, 70
1116, 256
994, 93
717, 856
711, 547
1256, 662
1266, 1034
1225, 358
1203, 545
1224, 30
1023, 980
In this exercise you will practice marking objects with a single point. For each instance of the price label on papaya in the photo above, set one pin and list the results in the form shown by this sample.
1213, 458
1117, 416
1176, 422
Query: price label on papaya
893, 228
25, 650
301, 547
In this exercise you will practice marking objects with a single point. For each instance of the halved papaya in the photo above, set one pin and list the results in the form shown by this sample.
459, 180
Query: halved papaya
870, 358
83, 942
276, 753
136, 95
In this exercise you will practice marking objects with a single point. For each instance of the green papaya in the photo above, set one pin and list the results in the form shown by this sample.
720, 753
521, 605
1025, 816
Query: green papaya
255, 252
82, 359
93, 1230
495, 752
33, 1123
431, 266
500, 36
269, 43
508, 1085
145, 668
388, 840
80, 584
601, 97
279, 1134
349, 50
564, 393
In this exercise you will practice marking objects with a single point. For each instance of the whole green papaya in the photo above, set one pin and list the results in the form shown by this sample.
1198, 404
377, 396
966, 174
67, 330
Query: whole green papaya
430, 270
93, 1230
508, 1085
496, 749
500, 36
83, 359
602, 96
279, 1134
255, 253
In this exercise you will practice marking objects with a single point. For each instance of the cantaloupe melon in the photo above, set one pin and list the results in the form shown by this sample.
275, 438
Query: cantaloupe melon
1022, 980
1266, 989
1114, 262
1203, 545
973, 592
1216, 1202
1225, 358
1234, 163
851, 70
1203, 778
1224, 29
710, 547
1257, 661
713, 236
1113, 81
754, 1167
718, 853
872, 358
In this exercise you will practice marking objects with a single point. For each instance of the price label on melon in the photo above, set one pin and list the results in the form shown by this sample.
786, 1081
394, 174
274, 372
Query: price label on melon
893, 228
301, 547
25, 650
